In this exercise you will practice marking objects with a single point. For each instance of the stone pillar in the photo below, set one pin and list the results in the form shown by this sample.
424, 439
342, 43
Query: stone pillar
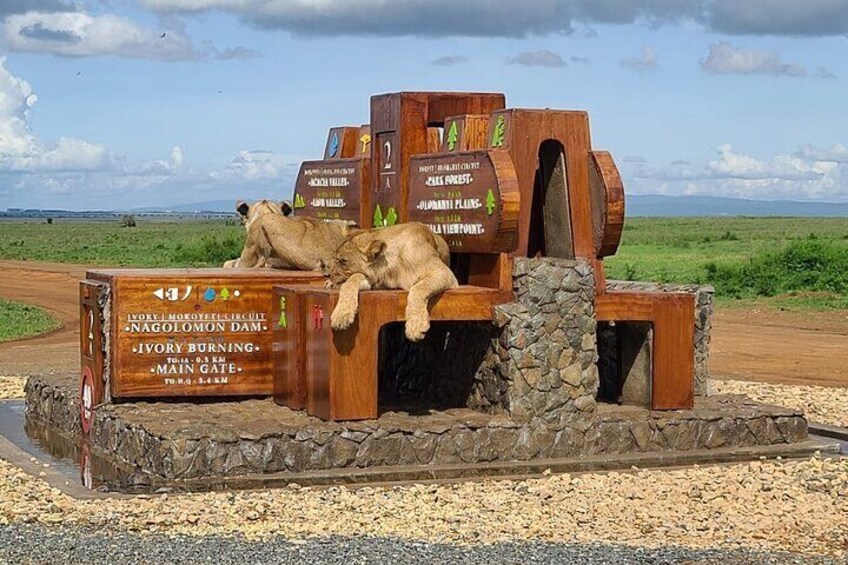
544, 359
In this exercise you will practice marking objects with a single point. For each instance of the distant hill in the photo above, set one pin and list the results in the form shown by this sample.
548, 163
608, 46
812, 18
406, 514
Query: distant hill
211, 206
639, 205
656, 205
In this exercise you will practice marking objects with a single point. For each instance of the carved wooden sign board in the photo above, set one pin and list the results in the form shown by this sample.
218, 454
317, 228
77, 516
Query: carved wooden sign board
460, 197
329, 190
193, 333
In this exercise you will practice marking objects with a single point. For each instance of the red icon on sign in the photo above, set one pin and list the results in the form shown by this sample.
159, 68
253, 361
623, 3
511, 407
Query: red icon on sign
317, 317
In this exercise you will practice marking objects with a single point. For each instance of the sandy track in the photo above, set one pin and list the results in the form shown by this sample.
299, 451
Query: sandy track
748, 344
54, 287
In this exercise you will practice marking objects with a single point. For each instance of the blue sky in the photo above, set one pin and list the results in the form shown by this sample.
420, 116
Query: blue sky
743, 98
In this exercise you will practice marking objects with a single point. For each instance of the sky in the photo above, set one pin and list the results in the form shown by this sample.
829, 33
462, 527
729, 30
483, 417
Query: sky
118, 104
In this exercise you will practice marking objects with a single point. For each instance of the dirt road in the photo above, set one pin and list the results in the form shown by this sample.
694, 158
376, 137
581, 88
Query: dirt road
747, 344
54, 287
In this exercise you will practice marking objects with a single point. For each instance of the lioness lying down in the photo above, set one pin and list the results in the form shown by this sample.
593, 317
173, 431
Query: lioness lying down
405, 256
249, 213
276, 240
300, 244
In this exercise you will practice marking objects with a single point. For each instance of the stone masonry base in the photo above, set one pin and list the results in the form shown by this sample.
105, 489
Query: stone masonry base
183, 441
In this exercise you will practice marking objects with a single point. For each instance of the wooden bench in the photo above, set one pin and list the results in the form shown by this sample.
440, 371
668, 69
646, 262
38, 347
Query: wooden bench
333, 374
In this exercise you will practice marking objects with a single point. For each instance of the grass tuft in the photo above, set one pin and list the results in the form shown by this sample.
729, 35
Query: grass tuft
19, 320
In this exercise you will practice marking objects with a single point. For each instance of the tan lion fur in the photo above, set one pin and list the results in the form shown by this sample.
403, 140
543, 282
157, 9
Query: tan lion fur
249, 213
405, 256
299, 244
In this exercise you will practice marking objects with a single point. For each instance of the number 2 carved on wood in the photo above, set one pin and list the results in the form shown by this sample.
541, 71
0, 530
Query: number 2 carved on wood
388, 146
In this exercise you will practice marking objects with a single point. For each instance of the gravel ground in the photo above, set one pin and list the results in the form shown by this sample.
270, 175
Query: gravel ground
34, 544
12, 387
797, 506
825, 405
764, 507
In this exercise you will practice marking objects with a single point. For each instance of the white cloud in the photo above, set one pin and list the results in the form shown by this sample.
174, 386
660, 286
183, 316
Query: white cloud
724, 58
78, 34
20, 150
643, 63
78, 174
810, 173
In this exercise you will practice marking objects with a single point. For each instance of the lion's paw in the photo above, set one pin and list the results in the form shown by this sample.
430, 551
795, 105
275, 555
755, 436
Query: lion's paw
342, 317
416, 327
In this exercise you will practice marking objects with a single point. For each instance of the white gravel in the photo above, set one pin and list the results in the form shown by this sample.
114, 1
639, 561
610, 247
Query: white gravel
11, 387
796, 506
825, 405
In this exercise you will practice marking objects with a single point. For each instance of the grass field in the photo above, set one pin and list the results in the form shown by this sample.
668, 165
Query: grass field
18, 320
802, 261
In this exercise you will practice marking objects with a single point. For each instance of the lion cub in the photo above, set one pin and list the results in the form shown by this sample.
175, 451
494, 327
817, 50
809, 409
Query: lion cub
405, 256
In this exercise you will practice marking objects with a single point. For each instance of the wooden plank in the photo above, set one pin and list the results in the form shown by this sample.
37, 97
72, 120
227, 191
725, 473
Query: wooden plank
289, 356
672, 315
673, 382
363, 145
434, 140
465, 133
92, 356
189, 333
607, 195
521, 133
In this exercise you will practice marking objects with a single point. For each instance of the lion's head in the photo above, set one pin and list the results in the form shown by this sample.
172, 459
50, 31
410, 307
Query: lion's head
250, 212
350, 259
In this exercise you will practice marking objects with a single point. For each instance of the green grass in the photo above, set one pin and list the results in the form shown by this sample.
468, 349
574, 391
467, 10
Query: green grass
19, 320
799, 262
106, 243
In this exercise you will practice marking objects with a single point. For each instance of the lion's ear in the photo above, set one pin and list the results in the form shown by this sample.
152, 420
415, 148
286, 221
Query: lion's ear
375, 250
286, 207
242, 207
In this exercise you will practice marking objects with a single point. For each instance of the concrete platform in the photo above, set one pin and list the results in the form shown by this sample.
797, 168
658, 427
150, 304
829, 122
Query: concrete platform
239, 442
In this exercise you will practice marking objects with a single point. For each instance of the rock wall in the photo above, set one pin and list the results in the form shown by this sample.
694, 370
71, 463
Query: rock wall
181, 441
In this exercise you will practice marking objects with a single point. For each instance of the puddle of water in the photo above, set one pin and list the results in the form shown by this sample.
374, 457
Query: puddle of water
72, 458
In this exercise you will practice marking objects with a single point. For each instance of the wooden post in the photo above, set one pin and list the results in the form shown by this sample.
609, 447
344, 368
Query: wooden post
399, 123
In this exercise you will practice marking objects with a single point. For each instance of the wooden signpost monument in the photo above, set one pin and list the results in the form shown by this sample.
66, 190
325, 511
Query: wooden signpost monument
495, 183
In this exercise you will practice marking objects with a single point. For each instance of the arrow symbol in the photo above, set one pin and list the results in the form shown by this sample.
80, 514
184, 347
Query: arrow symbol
159, 293
334, 144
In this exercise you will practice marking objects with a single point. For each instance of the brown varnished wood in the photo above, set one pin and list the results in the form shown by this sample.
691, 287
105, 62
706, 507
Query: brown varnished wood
672, 315
91, 337
341, 367
490, 271
525, 131
289, 348
471, 132
488, 171
363, 143
402, 119
341, 200
434, 140
348, 136
607, 192
133, 295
